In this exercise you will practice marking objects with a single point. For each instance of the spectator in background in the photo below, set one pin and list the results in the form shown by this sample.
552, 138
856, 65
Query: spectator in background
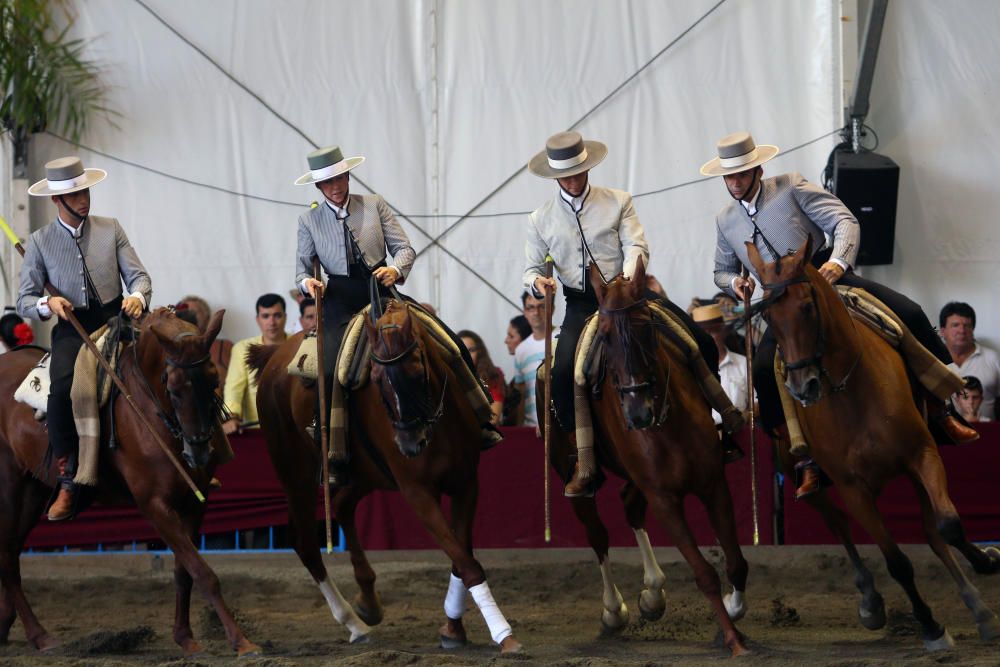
430, 309
240, 393
968, 401
957, 324
732, 365
529, 354
486, 371
307, 314
654, 286
15, 331
517, 330
222, 349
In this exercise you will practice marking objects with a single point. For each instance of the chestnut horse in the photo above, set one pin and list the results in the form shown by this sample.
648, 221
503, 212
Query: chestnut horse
653, 428
855, 402
167, 371
410, 429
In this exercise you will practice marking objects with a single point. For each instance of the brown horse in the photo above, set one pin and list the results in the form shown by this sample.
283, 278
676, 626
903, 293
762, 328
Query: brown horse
845, 375
411, 429
167, 370
653, 427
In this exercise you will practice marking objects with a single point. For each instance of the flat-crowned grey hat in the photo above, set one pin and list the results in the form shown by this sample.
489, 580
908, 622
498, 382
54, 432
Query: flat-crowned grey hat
737, 152
325, 163
65, 175
567, 154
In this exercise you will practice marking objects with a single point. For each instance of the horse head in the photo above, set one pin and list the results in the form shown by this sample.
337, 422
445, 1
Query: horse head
626, 325
793, 298
401, 371
189, 378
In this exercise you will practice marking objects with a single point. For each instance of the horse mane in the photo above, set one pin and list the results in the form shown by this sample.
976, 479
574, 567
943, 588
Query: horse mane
258, 355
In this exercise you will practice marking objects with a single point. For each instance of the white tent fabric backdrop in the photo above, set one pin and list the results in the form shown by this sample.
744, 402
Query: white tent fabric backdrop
448, 100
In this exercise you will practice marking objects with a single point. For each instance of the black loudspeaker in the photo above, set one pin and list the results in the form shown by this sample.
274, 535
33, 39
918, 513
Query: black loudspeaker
867, 183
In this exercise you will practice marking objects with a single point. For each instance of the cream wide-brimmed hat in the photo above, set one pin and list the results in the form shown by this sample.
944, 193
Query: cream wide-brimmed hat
65, 175
567, 154
325, 163
710, 315
738, 152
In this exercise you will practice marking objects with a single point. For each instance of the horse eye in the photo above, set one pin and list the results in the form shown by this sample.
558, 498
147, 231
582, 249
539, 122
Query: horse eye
807, 307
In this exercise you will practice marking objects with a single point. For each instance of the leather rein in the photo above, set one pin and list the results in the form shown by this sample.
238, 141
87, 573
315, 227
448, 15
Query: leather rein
776, 291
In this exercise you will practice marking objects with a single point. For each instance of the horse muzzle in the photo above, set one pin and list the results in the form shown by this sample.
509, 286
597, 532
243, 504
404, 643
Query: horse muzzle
805, 385
411, 442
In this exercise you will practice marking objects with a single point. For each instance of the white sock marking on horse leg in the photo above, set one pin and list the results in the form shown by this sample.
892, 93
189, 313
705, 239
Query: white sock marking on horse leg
343, 612
454, 601
495, 621
615, 613
652, 576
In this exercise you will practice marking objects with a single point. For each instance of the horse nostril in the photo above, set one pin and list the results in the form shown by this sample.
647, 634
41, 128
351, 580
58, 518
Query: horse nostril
812, 387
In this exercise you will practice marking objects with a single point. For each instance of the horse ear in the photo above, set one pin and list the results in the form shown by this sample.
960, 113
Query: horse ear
214, 327
804, 253
407, 326
755, 259
637, 286
597, 281
369, 330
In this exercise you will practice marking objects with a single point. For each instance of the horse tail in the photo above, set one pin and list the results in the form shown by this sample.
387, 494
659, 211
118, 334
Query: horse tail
258, 355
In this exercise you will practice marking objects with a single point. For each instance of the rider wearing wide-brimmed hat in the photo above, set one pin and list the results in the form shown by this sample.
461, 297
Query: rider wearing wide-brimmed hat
350, 234
85, 258
584, 224
777, 215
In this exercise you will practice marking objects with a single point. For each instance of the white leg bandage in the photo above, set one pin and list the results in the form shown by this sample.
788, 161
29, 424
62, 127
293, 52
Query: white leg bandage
343, 612
454, 601
495, 621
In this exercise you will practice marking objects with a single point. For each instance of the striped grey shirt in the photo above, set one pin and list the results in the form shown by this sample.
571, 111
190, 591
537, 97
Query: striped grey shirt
53, 255
789, 209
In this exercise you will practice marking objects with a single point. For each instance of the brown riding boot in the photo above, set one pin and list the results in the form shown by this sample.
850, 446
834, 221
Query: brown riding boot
810, 483
950, 424
62, 508
580, 486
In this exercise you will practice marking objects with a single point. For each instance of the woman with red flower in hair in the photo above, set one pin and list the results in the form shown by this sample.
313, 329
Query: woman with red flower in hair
15, 331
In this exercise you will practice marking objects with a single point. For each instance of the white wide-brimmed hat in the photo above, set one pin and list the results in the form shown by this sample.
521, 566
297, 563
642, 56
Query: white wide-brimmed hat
738, 152
65, 175
567, 154
325, 163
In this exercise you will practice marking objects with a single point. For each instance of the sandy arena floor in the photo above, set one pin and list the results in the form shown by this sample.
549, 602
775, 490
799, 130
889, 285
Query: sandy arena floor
118, 610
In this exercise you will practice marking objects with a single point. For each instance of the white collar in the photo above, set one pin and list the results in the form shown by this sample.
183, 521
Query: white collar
576, 203
341, 213
76, 232
751, 206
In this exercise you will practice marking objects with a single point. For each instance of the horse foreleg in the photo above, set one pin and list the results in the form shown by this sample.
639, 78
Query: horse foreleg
936, 531
183, 584
426, 507
463, 509
671, 511
367, 605
862, 507
614, 615
169, 525
719, 504
21, 505
652, 598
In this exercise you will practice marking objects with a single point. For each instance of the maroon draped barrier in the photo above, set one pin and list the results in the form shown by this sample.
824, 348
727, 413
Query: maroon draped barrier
971, 485
510, 503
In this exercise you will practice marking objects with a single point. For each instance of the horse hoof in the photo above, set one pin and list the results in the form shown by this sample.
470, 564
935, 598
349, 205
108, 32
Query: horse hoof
452, 635
451, 643
45, 642
249, 650
873, 619
359, 638
191, 648
614, 621
735, 604
989, 630
371, 616
510, 646
992, 565
652, 604
942, 643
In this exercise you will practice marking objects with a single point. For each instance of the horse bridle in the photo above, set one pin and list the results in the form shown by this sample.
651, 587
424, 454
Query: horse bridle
775, 292
409, 424
648, 358
170, 420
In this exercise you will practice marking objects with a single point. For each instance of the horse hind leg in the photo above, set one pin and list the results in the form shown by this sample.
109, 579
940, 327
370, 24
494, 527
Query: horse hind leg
943, 527
861, 504
671, 511
652, 598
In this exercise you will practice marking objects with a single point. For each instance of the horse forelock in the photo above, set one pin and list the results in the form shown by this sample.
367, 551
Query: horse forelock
188, 341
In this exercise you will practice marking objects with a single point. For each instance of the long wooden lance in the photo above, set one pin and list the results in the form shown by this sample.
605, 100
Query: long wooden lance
547, 397
753, 436
71, 318
324, 441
